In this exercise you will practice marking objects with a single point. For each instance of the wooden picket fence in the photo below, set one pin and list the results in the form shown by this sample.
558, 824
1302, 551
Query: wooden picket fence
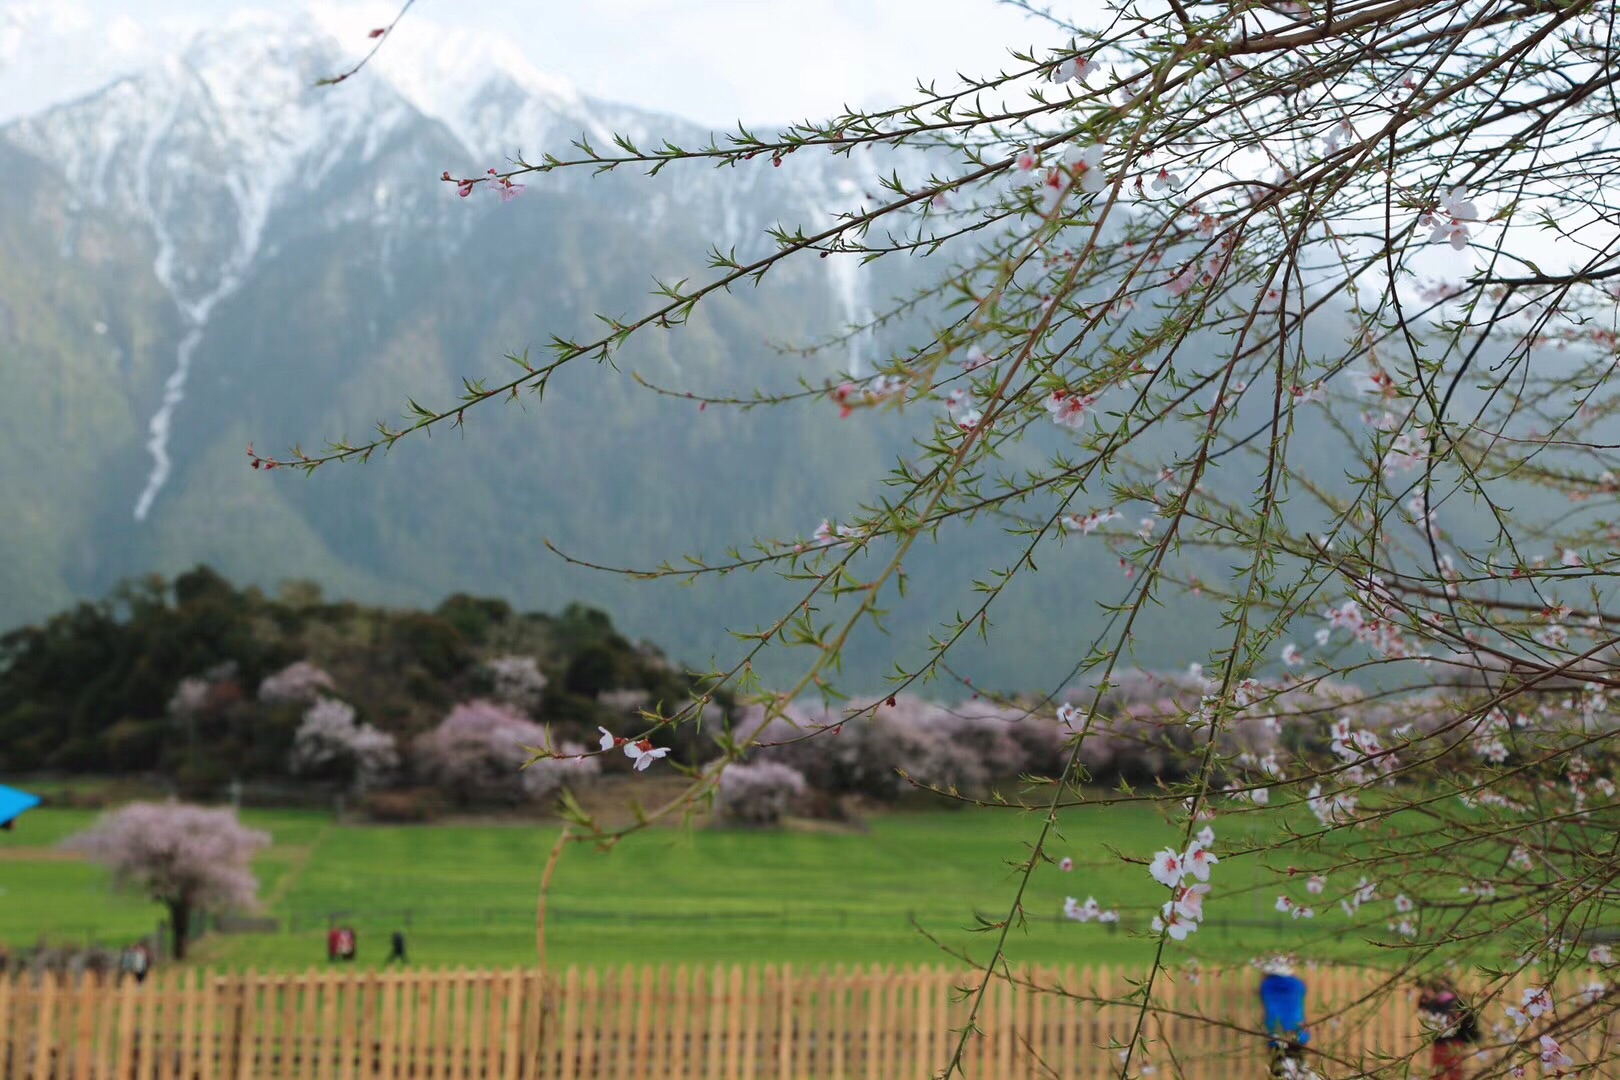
655, 1023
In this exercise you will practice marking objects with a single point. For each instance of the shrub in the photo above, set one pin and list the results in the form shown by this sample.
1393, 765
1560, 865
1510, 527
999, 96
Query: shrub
759, 793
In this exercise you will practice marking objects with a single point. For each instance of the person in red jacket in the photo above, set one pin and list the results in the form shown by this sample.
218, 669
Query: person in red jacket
1453, 1024
346, 943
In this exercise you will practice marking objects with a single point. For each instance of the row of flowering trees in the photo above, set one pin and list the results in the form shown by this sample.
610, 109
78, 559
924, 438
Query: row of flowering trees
1320, 293
475, 755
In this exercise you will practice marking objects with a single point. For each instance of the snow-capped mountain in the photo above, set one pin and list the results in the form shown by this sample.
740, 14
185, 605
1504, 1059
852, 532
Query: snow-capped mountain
230, 149
212, 251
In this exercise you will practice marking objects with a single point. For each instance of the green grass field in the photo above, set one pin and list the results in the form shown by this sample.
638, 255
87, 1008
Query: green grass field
700, 895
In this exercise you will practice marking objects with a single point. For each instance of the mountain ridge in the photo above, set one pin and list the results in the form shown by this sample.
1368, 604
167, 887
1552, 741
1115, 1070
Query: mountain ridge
303, 299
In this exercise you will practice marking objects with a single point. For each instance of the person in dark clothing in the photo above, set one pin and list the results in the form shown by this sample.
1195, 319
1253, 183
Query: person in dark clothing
396, 948
1453, 1023
136, 961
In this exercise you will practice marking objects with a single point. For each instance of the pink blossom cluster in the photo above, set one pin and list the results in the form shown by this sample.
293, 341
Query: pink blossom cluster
1090, 911
1186, 874
640, 751
1069, 409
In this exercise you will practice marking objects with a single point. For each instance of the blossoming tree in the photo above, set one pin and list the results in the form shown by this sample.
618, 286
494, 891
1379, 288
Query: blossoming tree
1322, 293
329, 737
187, 858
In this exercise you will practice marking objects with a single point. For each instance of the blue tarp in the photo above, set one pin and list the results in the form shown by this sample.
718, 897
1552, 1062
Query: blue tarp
13, 803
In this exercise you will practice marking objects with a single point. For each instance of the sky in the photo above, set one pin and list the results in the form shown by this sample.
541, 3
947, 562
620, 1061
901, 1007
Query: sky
713, 61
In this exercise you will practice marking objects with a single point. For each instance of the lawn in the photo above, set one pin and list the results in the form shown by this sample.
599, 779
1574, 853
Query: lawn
465, 893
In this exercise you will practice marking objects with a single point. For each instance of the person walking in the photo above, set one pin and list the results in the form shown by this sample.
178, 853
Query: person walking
1453, 1023
1282, 997
137, 961
396, 948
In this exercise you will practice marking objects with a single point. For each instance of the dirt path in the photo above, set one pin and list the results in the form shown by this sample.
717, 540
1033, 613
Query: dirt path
296, 858
39, 854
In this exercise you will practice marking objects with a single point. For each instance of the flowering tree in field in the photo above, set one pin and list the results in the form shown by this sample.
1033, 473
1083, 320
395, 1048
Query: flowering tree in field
478, 753
187, 858
1324, 295
758, 794
329, 737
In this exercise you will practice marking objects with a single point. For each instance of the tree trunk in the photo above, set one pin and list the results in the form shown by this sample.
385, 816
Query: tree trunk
179, 927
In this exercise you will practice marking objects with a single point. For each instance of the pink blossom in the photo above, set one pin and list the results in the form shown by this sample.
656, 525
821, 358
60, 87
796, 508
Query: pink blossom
644, 753
1190, 901
1080, 165
1068, 409
1077, 67
1065, 864
1553, 1058
1460, 212
1198, 861
1167, 868
503, 186
1173, 922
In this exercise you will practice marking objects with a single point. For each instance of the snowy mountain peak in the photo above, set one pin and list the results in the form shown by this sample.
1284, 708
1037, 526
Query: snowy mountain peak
451, 73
